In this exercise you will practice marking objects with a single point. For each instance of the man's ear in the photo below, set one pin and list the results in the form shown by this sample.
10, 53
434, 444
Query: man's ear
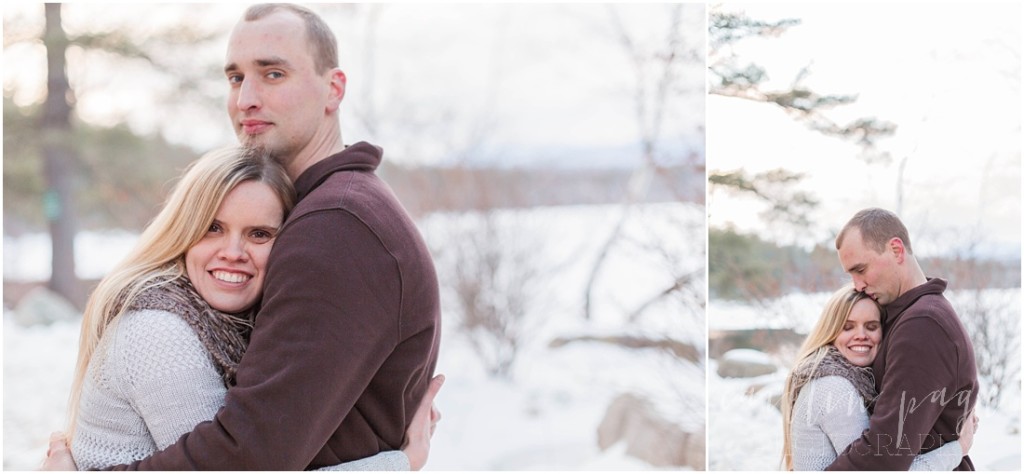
336, 89
897, 249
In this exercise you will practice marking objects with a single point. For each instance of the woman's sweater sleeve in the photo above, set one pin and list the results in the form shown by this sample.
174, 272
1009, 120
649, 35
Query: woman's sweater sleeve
945, 458
382, 461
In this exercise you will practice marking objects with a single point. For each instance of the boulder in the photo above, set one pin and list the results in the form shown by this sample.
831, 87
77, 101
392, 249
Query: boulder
745, 363
40, 306
648, 436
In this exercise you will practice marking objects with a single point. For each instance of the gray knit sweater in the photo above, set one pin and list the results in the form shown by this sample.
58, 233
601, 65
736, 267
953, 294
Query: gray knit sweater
151, 381
829, 415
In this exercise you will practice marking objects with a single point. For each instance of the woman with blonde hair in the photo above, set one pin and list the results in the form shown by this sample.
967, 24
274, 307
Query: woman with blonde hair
164, 331
830, 390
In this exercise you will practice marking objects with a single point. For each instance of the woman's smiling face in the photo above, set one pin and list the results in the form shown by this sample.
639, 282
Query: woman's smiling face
227, 265
862, 333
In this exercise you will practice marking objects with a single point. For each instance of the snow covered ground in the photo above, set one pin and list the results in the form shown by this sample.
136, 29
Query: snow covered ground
543, 417
745, 433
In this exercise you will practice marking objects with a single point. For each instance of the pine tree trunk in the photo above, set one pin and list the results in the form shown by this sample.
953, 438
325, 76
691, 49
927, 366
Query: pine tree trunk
59, 159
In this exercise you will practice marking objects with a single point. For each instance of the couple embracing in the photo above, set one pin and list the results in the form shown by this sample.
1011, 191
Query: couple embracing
886, 380
282, 311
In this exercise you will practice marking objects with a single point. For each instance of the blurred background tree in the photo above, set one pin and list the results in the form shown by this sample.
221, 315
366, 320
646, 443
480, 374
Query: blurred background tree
660, 80
59, 157
67, 174
730, 77
733, 256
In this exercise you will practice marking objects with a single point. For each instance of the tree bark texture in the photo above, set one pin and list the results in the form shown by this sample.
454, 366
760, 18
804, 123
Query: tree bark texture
59, 158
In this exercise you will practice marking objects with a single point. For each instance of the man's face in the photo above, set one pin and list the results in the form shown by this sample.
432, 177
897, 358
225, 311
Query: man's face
874, 273
277, 100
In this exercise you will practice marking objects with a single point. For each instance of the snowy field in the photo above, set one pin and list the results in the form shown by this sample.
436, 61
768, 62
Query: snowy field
745, 432
544, 415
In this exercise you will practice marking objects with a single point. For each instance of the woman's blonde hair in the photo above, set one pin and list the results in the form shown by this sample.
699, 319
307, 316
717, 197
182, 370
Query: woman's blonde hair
811, 353
159, 254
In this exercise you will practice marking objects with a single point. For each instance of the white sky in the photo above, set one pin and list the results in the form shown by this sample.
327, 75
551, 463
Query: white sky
947, 75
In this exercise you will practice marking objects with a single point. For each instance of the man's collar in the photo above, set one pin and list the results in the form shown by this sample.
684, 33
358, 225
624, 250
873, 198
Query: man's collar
892, 311
360, 156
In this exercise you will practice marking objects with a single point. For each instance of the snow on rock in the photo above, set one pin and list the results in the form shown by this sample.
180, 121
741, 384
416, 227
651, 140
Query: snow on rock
752, 356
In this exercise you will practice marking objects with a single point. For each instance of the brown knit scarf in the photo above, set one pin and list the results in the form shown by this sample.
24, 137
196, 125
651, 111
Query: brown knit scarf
224, 335
834, 363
